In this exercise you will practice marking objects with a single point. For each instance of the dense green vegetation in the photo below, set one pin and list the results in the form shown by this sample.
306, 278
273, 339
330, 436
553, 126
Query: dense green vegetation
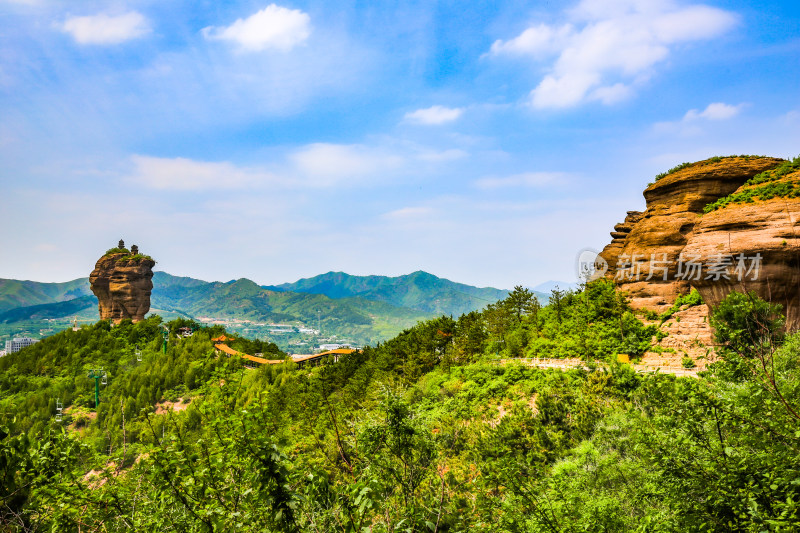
763, 186
425, 432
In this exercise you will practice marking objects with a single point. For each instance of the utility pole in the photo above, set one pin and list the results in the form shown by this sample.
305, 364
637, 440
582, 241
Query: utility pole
98, 375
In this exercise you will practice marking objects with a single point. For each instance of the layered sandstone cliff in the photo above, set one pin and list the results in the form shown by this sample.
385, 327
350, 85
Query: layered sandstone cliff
645, 254
122, 282
755, 241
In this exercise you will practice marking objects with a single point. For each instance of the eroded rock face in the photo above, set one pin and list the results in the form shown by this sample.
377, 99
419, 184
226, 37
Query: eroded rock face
762, 240
612, 250
644, 260
122, 283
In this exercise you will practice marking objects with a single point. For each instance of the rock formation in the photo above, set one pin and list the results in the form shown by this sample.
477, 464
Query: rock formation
122, 284
757, 245
645, 254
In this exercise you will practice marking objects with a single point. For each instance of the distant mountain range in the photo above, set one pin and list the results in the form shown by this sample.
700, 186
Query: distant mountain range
364, 309
15, 293
420, 291
548, 286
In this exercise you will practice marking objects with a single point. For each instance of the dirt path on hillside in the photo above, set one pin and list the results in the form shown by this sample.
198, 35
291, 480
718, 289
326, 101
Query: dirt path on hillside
567, 364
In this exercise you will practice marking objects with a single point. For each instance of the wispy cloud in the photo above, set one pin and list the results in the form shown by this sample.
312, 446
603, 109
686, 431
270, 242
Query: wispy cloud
189, 175
274, 27
715, 111
317, 165
525, 179
408, 213
610, 46
328, 164
434, 115
451, 154
692, 121
106, 29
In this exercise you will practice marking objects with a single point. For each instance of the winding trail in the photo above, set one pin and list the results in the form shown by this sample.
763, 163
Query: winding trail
567, 364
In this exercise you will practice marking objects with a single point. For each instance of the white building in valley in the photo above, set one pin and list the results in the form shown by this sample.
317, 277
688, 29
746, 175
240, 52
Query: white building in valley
18, 343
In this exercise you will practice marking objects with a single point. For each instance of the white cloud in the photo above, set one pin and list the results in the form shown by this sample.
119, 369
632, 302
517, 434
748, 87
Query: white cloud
526, 179
537, 41
106, 29
318, 165
273, 27
433, 116
715, 111
692, 122
610, 46
188, 175
451, 154
408, 213
792, 117
327, 164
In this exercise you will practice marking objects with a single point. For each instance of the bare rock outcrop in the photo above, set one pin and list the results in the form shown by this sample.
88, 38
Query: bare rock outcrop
122, 282
643, 256
756, 245
612, 250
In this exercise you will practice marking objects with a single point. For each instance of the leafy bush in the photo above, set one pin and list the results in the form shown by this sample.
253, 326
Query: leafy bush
690, 300
672, 170
112, 251
763, 186
746, 325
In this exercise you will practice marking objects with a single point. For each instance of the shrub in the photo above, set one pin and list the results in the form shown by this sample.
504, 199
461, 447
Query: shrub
112, 251
689, 300
745, 323
763, 186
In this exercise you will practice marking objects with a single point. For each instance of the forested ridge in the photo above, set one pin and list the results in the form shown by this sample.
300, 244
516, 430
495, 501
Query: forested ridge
425, 432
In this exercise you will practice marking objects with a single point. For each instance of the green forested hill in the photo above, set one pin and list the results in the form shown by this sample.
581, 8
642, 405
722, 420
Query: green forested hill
50, 310
20, 293
419, 290
423, 433
360, 309
362, 320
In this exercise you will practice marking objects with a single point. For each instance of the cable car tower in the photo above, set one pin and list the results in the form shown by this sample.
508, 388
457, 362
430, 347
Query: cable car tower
166, 337
99, 376
59, 410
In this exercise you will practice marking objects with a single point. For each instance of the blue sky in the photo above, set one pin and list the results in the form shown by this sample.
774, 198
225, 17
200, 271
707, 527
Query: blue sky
485, 142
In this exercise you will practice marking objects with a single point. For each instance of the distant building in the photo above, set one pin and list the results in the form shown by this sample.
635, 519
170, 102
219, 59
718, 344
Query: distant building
18, 343
328, 347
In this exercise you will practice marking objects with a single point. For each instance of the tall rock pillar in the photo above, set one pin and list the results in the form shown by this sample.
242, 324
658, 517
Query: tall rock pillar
122, 281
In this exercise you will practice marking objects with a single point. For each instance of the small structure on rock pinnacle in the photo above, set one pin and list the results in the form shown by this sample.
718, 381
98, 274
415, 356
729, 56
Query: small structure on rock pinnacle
122, 280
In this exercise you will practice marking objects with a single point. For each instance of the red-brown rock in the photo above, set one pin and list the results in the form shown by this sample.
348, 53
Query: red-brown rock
644, 263
122, 283
761, 239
